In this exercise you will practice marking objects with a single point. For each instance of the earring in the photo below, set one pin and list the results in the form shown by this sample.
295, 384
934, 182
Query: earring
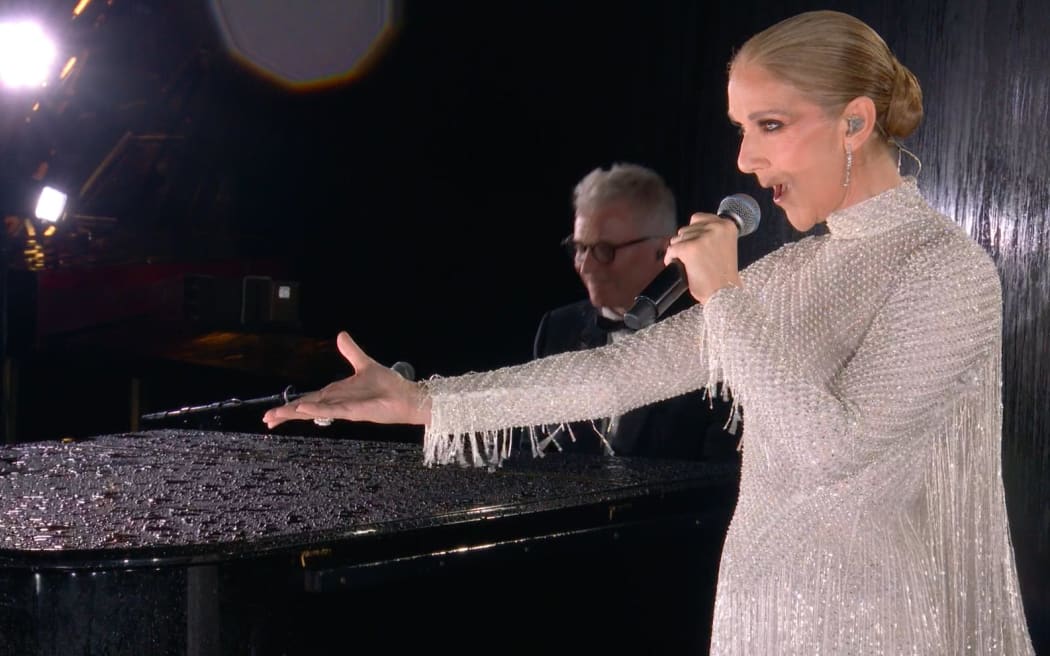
849, 164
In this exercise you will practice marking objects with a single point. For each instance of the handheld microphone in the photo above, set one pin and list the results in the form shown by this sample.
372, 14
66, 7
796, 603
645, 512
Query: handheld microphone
671, 283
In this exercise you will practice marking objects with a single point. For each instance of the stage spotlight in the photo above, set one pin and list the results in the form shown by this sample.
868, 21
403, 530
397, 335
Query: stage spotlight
26, 55
51, 205
304, 45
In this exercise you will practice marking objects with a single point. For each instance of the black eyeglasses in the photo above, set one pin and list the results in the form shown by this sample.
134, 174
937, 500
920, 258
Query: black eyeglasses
602, 251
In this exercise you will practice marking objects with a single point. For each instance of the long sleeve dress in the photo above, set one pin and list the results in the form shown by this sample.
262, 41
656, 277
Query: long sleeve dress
871, 517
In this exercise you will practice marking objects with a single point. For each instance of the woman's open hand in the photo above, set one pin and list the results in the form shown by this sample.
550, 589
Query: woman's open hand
372, 393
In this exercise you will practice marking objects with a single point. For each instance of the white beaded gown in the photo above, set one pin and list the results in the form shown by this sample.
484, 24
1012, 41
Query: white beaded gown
871, 517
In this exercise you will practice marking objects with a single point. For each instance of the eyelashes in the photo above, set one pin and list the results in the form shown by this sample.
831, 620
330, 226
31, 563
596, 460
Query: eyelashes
768, 125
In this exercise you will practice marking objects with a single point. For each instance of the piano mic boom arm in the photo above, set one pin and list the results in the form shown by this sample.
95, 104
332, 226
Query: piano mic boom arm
289, 394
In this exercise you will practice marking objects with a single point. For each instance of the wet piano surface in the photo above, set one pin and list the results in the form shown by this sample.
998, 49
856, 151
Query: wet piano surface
175, 541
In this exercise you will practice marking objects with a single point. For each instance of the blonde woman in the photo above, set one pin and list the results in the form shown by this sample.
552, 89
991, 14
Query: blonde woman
871, 516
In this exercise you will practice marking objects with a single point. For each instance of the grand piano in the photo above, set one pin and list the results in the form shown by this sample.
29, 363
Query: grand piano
203, 542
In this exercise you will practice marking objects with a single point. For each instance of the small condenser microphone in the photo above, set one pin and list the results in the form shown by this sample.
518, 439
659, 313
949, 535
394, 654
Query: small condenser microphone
407, 371
671, 283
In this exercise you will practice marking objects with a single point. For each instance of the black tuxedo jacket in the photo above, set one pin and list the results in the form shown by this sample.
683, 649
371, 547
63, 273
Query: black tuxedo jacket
684, 427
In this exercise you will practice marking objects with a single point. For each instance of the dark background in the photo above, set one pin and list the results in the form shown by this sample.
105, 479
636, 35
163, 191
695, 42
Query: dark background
420, 205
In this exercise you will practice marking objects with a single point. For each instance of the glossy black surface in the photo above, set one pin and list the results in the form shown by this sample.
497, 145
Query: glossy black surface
176, 491
192, 542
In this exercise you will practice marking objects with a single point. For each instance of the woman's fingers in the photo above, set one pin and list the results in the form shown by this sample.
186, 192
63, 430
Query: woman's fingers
353, 353
314, 405
707, 249
372, 393
277, 416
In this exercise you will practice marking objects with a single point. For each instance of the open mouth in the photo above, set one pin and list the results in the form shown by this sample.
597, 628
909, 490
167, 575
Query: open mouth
778, 192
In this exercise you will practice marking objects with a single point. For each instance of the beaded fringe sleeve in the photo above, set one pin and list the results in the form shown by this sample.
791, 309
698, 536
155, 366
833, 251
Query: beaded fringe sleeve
871, 516
475, 416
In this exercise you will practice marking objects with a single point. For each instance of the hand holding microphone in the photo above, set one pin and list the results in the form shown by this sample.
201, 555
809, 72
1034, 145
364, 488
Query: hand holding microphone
711, 260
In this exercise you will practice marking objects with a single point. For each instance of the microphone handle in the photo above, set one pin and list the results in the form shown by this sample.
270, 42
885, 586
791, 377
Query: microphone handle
646, 308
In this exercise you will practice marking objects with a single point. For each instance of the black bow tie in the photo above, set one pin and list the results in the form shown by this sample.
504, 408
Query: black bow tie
610, 325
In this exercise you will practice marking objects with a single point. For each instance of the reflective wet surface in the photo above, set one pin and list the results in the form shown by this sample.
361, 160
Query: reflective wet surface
177, 488
189, 542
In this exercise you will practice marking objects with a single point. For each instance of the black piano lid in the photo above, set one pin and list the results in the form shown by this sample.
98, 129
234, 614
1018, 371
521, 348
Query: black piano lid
175, 497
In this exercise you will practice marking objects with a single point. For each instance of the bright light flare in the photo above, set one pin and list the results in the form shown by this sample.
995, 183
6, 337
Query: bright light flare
51, 205
305, 46
26, 55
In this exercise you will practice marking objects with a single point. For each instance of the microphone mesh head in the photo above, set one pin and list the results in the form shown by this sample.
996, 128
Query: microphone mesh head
744, 210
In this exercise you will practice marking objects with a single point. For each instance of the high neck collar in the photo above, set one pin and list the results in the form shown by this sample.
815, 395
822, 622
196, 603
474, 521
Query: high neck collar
880, 213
